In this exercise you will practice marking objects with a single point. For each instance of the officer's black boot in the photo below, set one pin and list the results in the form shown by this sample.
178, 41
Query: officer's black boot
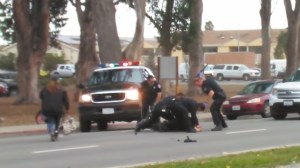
217, 128
141, 125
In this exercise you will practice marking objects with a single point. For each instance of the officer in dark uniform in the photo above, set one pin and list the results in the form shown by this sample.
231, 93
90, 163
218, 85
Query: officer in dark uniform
176, 114
150, 94
213, 90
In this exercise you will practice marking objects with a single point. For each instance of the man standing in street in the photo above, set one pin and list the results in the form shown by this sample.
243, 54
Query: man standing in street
150, 95
210, 87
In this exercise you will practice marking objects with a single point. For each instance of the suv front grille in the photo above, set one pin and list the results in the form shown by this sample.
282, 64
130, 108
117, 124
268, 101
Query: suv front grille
107, 97
288, 94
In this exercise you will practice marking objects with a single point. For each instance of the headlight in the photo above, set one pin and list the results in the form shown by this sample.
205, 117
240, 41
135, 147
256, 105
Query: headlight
256, 100
132, 94
226, 102
85, 98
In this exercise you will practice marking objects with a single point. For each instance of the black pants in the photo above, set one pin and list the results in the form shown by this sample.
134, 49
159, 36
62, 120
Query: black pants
216, 112
182, 118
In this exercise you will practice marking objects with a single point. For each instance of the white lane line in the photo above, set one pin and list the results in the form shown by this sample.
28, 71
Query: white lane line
64, 149
246, 131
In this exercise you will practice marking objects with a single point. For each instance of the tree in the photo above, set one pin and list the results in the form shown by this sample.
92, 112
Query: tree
265, 14
293, 18
7, 22
106, 29
31, 22
209, 26
87, 59
171, 19
134, 50
196, 49
8, 62
281, 48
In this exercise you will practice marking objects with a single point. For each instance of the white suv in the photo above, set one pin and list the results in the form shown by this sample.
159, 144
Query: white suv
234, 71
285, 97
65, 70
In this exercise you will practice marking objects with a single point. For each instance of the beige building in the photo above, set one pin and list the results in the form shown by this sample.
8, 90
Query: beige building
213, 42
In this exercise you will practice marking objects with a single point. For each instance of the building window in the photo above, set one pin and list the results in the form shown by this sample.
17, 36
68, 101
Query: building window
238, 49
210, 49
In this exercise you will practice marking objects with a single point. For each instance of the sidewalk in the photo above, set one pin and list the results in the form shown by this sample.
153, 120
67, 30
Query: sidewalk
41, 128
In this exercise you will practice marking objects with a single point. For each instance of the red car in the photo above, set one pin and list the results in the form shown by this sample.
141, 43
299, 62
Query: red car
252, 99
3, 88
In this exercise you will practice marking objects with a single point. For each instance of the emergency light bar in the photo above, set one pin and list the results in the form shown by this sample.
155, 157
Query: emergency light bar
122, 63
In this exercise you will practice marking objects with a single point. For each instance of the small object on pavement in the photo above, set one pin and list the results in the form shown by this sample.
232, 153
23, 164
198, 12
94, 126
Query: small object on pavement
187, 140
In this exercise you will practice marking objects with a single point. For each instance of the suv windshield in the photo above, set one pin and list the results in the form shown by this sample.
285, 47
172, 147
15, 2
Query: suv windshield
294, 77
116, 76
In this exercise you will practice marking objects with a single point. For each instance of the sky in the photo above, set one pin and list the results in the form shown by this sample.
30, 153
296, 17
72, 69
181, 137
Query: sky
224, 14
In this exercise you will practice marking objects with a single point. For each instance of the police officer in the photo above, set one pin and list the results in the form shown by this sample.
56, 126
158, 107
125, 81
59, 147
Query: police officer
214, 91
150, 94
176, 112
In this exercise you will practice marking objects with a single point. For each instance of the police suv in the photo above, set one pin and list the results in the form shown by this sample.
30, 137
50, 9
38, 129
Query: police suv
111, 95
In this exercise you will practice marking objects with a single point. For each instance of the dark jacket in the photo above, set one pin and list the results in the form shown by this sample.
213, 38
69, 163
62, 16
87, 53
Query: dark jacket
54, 103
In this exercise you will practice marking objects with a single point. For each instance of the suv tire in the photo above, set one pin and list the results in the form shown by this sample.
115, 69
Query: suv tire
220, 77
85, 125
278, 115
246, 77
102, 125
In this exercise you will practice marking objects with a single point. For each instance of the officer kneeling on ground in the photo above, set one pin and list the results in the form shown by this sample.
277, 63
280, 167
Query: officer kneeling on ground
175, 110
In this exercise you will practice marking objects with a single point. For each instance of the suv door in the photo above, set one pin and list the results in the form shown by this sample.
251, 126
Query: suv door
237, 73
228, 72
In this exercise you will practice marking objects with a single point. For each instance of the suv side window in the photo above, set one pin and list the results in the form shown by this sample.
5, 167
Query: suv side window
229, 67
62, 67
236, 68
219, 66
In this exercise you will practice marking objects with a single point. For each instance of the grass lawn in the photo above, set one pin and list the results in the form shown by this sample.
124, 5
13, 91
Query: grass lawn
263, 159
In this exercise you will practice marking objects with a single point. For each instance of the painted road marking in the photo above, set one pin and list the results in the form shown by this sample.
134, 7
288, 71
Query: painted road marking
64, 149
246, 131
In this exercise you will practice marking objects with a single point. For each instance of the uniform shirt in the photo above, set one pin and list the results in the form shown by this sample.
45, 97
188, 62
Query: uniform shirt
149, 92
210, 84
191, 106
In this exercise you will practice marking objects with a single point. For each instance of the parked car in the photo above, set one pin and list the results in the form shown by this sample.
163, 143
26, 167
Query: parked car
64, 70
183, 71
11, 88
3, 88
253, 99
8, 76
235, 71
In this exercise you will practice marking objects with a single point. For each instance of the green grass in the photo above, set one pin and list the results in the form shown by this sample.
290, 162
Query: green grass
262, 159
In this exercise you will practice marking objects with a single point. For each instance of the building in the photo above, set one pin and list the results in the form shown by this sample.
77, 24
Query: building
214, 42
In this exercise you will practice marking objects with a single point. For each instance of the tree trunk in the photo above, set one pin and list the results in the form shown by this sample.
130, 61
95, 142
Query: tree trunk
87, 59
135, 49
32, 32
108, 39
265, 14
165, 41
196, 49
293, 18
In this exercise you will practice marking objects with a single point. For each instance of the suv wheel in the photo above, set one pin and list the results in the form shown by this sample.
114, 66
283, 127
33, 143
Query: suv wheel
220, 77
277, 115
102, 125
267, 110
246, 77
85, 125
231, 117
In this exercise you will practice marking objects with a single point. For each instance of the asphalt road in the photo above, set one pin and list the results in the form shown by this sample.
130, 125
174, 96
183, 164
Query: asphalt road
121, 148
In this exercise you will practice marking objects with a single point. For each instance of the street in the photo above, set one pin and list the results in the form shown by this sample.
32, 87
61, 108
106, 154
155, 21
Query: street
121, 148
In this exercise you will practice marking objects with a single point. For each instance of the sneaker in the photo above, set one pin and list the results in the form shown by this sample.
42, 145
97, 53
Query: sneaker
52, 137
217, 128
56, 134
224, 125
